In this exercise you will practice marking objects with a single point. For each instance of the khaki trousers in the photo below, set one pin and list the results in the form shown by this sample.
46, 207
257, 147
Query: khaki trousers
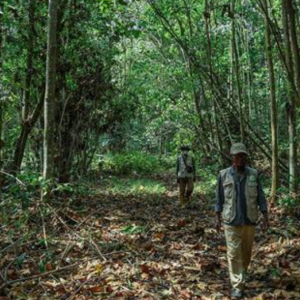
186, 187
239, 240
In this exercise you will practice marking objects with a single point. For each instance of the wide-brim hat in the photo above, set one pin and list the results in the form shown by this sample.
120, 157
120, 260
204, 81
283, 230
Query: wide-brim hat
238, 148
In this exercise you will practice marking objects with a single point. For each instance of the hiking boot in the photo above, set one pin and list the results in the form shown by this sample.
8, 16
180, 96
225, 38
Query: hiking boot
237, 294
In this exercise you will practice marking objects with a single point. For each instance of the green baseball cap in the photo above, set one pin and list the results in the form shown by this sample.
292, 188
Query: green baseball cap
238, 148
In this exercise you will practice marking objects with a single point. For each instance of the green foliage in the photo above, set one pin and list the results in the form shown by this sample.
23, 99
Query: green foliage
42, 266
27, 187
207, 182
275, 272
134, 229
145, 76
286, 200
20, 260
134, 186
22, 191
20, 196
134, 163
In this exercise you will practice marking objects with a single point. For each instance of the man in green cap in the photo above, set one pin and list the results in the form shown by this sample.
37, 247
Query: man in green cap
186, 174
240, 197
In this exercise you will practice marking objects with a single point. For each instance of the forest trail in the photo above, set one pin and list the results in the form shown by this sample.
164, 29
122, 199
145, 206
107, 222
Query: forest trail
97, 101
127, 246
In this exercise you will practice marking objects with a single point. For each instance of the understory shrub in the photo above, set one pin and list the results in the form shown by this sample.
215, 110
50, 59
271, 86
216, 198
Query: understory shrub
134, 163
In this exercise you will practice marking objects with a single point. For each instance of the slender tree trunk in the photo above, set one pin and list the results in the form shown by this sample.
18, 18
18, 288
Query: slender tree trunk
26, 129
204, 136
248, 76
237, 71
291, 103
197, 97
1, 92
197, 91
209, 57
29, 60
274, 114
294, 44
50, 97
26, 123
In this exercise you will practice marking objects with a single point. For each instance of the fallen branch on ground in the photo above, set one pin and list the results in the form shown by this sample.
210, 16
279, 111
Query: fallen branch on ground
7, 283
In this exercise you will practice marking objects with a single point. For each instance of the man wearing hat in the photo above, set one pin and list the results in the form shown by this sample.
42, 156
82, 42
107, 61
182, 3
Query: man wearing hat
186, 174
240, 197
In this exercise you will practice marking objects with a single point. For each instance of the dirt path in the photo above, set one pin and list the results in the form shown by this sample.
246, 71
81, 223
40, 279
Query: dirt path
144, 247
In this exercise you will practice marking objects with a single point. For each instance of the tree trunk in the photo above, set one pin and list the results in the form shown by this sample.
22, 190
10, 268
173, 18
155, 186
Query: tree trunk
249, 76
50, 97
1, 106
207, 16
274, 114
291, 103
27, 122
237, 72
26, 129
29, 64
294, 45
197, 92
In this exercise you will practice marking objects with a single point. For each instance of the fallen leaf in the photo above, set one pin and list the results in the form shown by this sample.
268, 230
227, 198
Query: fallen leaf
159, 235
48, 266
109, 289
186, 294
96, 289
202, 285
222, 248
12, 274
145, 269
145, 276
181, 223
147, 245
99, 268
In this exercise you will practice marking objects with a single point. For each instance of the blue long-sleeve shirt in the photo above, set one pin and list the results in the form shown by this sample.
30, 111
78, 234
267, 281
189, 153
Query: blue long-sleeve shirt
241, 207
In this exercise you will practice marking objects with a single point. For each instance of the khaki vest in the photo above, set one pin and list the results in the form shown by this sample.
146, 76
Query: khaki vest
182, 172
251, 194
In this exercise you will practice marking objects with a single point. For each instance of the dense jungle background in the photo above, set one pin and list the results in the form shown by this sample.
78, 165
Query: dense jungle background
96, 98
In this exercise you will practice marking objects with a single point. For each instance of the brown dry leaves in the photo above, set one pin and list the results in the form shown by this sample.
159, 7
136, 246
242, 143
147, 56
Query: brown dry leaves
132, 248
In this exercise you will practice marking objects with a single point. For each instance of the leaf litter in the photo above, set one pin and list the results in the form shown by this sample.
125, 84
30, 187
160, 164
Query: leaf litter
115, 246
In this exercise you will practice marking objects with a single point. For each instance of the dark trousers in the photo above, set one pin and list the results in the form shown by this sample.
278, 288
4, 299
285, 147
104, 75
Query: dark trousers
186, 187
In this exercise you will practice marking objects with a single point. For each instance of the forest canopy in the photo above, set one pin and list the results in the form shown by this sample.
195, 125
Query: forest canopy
148, 76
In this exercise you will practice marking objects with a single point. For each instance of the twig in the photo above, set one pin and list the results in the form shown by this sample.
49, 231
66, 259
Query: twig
11, 245
44, 229
69, 246
4, 275
38, 275
78, 235
97, 248
14, 177
85, 219
80, 287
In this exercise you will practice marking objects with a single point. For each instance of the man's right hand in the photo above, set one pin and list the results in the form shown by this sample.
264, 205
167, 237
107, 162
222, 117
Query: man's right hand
218, 222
